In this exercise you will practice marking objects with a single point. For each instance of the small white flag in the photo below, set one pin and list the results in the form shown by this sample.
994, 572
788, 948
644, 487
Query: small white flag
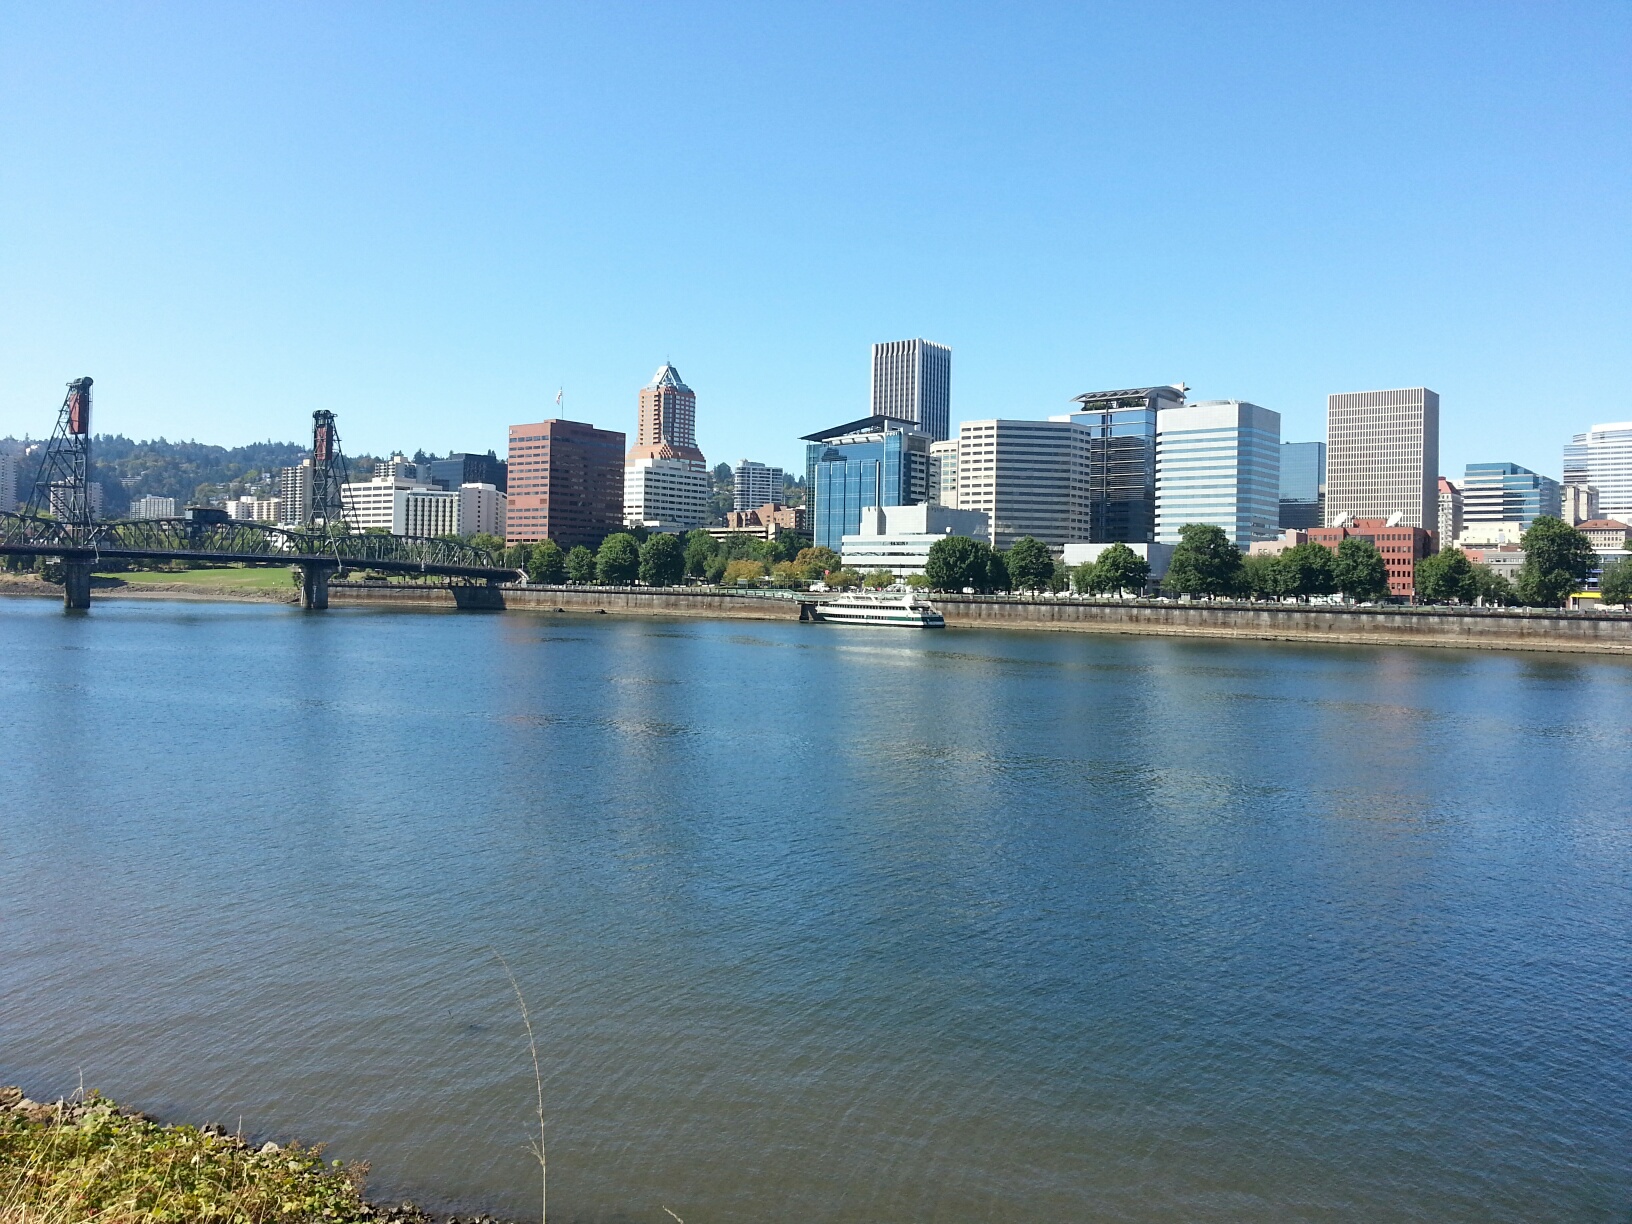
558, 399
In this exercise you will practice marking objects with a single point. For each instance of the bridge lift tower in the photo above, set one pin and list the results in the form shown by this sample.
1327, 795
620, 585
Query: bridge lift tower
329, 475
63, 487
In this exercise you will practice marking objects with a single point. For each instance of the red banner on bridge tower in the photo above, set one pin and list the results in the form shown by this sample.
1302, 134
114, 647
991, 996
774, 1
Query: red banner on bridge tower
79, 407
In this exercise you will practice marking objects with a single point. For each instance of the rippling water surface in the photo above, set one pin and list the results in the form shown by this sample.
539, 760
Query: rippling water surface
831, 924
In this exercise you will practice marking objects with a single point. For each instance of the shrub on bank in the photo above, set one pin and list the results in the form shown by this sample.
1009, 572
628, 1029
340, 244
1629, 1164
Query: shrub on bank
75, 1162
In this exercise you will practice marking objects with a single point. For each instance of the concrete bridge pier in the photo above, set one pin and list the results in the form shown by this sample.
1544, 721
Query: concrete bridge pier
488, 597
314, 584
76, 584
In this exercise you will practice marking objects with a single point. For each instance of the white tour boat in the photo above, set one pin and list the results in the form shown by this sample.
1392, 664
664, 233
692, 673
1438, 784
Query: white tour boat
872, 608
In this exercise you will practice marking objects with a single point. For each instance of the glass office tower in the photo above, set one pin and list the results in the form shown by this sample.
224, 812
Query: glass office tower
1122, 460
1602, 458
1303, 484
1508, 493
870, 462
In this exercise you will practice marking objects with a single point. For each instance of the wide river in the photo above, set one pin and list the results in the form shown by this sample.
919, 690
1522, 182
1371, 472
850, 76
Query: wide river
831, 924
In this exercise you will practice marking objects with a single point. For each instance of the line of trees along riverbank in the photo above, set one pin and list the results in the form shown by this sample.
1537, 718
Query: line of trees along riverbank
1206, 564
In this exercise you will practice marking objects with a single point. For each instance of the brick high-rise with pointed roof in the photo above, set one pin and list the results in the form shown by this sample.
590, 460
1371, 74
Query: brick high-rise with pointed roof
668, 420
665, 477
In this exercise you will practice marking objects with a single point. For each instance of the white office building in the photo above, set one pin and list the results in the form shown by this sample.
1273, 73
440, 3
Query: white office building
912, 382
665, 494
755, 485
1028, 477
295, 493
1382, 456
943, 473
64, 500
1219, 462
8, 481
483, 508
1578, 503
151, 507
400, 468
255, 509
1602, 458
898, 538
411, 508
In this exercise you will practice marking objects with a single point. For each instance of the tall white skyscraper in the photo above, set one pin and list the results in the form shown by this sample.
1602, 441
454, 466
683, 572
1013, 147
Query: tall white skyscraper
1218, 462
912, 382
1602, 458
295, 493
755, 485
1382, 455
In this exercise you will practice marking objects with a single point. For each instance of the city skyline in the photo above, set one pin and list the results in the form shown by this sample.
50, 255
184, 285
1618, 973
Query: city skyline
438, 267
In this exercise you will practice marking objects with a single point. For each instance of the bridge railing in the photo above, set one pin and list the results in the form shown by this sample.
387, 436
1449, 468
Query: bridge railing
238, 538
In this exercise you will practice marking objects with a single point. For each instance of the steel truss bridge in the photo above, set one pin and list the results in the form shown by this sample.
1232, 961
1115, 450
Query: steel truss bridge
323, 546
318, 554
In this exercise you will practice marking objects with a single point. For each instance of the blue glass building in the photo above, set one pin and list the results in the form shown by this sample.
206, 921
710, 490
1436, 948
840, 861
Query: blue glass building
1303, 485
1122, 460
1508, 493
870, 462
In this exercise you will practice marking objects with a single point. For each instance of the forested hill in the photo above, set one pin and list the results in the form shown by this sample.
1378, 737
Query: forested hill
190, 472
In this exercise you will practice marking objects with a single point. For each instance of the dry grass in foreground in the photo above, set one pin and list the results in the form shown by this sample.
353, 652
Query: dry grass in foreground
86, 1160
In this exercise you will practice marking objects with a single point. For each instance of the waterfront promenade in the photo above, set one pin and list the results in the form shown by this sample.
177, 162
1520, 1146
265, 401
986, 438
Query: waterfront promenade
1464, 628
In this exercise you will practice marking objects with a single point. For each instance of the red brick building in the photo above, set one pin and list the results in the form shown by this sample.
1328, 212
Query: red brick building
1402, 547
566, 483
782, 518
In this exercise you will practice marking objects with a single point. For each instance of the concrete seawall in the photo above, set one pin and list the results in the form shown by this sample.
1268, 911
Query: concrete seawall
1466, 628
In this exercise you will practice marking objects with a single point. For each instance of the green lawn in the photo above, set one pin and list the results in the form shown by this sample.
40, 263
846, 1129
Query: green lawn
272, 577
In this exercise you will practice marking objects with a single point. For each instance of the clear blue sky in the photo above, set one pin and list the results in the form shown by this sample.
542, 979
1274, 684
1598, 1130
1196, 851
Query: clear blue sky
429, 217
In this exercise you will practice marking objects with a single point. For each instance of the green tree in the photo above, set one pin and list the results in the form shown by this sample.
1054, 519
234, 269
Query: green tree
618, 562
1557, 560
487, 543
814, 562
1616, 584
1085, 579
743, 570
1310, 569
786, 574
843, 579
1263, 576
1206, 562
700, 549
1489, 587
956, 562
918, 582
997, 571
546, 563
1361, 572
878, 580
1121, 569
1445, 576
744, 547
1031, 565
662, 560
788, 545
717, 565
580, 566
